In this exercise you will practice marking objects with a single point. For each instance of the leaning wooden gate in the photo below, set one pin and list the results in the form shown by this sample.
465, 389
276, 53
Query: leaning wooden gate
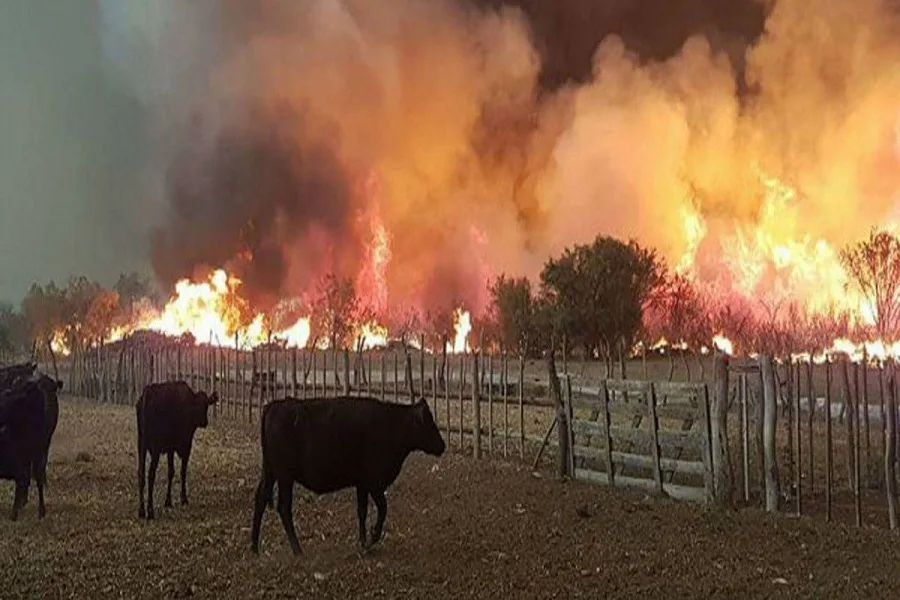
650, 435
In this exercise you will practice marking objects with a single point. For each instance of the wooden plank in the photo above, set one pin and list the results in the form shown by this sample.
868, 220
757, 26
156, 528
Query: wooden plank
629, 386
676, 412
678, 492
674, 389
642, 461
654, 429
690, 440
588, 401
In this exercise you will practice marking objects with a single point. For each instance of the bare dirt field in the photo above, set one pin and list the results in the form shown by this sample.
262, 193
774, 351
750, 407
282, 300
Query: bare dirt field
456, 529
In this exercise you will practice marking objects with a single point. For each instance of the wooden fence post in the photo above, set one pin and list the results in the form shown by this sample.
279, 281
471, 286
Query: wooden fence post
562, 428
294, 371
811, 406
462, 387
476, 406
522, 403
718, 432
798, 473
422, 364
770, 413
856, 447
847, 398
570, 434
829, 467
654, 432
490, 400
346, 371
890, 446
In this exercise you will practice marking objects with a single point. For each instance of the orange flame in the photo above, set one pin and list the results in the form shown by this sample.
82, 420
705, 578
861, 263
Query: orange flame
462, 325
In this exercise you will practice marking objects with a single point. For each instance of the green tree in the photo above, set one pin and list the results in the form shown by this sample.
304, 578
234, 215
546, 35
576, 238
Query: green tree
597, 293
514, 312
13, 329
873, 265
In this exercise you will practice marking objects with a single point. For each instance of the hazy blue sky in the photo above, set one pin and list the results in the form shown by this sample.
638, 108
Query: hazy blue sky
71, 142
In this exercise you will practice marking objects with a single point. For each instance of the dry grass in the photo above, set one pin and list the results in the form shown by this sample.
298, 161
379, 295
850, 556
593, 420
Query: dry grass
456, 528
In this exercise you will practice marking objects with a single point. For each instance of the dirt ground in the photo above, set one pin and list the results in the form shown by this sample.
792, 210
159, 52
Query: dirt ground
456, 529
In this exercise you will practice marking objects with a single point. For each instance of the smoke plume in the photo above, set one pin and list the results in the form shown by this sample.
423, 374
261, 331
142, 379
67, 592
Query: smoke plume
458, 139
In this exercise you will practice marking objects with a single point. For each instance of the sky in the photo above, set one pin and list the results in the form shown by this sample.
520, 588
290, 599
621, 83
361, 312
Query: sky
70, 151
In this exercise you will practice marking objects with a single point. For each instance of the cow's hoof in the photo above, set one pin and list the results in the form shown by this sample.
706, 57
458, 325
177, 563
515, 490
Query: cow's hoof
42, 513
184, 502
168, 504
254, 549
375, 537
150, 515
142, 514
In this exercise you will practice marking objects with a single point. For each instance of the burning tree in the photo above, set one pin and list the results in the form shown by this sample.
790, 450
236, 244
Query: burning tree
873, 265
337, 312
44, 309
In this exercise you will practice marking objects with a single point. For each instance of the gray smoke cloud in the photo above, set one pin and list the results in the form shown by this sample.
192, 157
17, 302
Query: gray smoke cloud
71, 151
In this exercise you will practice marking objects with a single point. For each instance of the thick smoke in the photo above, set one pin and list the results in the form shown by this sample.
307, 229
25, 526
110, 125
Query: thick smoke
484, 137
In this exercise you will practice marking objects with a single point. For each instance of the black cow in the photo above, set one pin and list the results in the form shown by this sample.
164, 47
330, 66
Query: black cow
50, 388
23, 427
168, 415
328, 444
12, 374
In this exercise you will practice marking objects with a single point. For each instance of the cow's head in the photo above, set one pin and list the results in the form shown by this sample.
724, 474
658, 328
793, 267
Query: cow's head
425, 433
201, 404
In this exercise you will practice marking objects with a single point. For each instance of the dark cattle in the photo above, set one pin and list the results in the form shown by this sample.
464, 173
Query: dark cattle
13, 374
328, 444
50, 388
22, 441
168, 415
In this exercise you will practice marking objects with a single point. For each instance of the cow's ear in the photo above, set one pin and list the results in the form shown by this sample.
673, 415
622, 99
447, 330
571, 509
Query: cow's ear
59, 384
213, 399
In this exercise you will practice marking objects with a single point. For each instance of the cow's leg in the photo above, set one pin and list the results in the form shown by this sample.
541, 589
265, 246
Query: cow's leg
285, 511
185, 456
40, 476
170, 475
263, 497
21, 493
381, 504
362, 510
142, 479
151, 480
